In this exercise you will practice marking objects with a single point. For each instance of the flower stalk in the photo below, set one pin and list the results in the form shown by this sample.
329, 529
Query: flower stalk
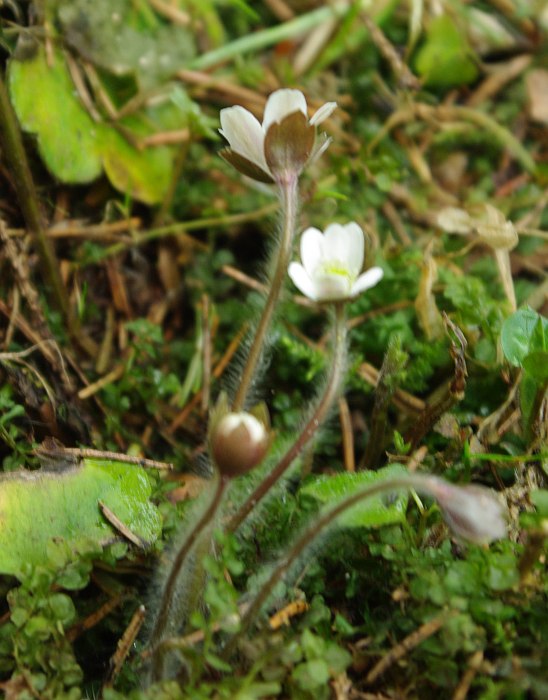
289, 200
274, 151
318, 416
162, 625
237, 443
473, 513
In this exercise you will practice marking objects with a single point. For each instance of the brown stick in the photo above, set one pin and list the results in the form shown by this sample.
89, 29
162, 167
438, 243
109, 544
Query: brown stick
16, 160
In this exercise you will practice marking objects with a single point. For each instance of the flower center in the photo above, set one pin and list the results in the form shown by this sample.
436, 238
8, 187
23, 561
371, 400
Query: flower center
333, 268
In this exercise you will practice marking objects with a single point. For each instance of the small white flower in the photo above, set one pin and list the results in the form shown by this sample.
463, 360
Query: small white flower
331, 264
261, 158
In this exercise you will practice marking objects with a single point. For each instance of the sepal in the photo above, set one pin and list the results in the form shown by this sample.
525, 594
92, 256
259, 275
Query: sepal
289, 144
245, 166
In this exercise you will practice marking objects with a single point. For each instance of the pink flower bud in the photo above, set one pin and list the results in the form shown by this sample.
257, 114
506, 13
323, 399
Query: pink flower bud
239, 442
472, 512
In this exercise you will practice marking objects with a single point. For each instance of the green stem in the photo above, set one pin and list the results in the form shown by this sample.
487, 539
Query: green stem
181, 228
536, 426
289, 197
169, 592
318, 416
415, 481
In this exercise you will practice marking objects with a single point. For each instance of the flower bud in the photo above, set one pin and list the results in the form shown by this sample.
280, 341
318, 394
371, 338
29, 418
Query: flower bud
239, 442
472, 512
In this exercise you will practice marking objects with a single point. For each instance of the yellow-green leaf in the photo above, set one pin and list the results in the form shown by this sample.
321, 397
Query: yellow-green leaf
47, 105
41, 506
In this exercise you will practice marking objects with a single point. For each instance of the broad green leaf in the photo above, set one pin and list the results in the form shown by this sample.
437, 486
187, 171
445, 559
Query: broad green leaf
378, 510
536, 365
522, 333
46, 104
144, 174
446, 58
528, 390
76, 149
36, 507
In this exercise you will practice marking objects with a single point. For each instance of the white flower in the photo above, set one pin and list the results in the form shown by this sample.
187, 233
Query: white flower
284, 141
331, 264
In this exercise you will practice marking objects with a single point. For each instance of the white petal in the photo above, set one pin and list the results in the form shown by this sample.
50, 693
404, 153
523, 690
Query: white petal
321, 145
301, 279
244, 134
312, 247
336, 243
331, 287
282, 103
355, 248
324, 113
367, 280
233, 421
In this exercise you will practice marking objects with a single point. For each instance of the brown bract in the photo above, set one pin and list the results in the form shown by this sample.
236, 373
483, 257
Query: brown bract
245, 166
289, 145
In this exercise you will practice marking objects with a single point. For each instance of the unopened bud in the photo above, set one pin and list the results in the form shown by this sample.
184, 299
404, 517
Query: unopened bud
239, 442
472, 512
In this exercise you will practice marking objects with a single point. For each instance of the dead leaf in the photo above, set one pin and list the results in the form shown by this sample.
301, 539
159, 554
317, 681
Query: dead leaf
425, 303
494, 229
454, 220
536, 83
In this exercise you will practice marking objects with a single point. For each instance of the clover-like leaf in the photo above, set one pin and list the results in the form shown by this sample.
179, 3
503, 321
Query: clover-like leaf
124, 38
523, 333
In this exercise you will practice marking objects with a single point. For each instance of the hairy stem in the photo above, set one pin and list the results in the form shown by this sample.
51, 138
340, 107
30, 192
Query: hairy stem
161, 624
414, 481
319, 414
288, 193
